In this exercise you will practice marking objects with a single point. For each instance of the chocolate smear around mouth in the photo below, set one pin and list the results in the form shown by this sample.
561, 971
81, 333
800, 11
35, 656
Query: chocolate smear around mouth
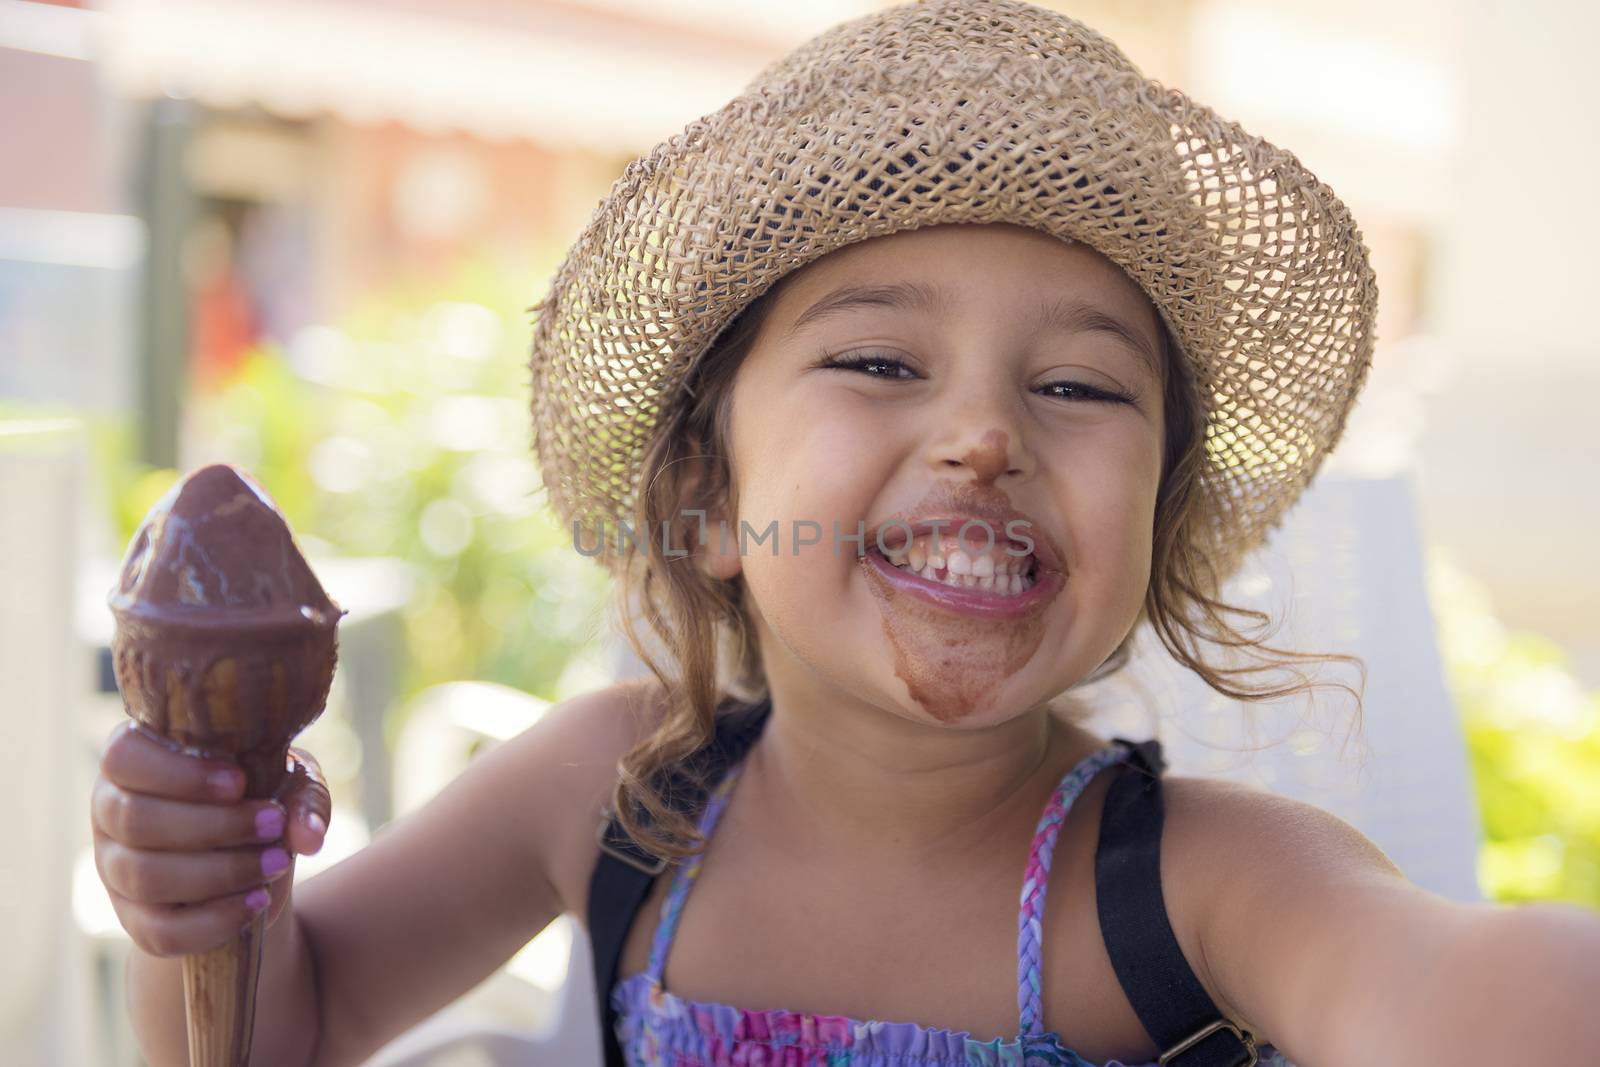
952, 665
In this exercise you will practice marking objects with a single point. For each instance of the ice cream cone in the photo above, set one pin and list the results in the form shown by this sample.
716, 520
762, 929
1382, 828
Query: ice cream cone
225, 644
219, 996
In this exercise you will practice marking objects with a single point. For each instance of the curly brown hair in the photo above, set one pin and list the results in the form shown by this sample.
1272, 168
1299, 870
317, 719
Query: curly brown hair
703, 630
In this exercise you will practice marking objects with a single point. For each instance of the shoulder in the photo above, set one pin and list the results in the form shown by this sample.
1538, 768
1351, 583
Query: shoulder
570, 756
1284, 904
597, 727
1305, 925
1217, 827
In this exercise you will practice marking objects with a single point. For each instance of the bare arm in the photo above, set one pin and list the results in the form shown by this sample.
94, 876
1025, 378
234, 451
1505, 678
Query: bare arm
447, 894
1313, 936
437, 901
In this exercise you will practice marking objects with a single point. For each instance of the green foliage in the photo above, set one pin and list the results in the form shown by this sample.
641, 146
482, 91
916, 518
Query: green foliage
405, 432
1534, 739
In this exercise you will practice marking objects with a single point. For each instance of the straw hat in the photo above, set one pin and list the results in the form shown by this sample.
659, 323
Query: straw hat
964, 111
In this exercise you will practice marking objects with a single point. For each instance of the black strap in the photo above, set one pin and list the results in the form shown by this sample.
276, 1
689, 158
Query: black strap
1169, 1000
625, 872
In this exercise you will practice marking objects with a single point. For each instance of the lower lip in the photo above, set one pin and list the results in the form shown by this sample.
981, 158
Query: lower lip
970, 600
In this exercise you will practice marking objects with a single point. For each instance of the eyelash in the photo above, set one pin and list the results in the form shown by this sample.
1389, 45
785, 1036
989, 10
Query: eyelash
869, 359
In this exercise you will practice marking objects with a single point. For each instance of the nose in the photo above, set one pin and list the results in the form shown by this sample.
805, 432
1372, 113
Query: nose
984, 436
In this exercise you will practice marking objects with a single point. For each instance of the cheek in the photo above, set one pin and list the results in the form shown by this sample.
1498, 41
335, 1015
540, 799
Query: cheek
1111, 501
802, 462
799, 459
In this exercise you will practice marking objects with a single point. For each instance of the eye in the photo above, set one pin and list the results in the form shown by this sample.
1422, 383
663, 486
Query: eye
1080, 391
874, 364
884, 365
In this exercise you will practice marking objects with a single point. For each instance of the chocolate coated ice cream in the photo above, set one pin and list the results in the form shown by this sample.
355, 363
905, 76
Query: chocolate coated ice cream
225, 641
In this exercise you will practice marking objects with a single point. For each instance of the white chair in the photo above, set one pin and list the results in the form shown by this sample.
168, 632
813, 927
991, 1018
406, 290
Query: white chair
1345, 572
553, 977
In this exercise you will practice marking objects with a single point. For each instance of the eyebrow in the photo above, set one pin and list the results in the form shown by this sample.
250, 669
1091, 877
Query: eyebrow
1064, 315
910, 296
1073, 316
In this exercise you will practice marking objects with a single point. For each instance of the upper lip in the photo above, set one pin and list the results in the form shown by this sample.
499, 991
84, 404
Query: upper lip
997, 517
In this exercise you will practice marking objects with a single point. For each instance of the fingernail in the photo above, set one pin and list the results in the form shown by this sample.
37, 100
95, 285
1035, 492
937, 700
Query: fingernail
315, 824
269, 823
274, 861
257, 900
223, 783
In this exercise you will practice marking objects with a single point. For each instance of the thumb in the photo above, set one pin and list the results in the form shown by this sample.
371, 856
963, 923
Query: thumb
305, 797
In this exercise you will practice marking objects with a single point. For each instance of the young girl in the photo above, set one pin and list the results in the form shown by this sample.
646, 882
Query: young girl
897, 394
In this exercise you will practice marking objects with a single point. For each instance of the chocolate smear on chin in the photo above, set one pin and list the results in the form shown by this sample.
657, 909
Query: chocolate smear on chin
952, 665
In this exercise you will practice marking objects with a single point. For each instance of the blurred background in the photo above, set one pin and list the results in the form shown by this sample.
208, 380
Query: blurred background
301, 237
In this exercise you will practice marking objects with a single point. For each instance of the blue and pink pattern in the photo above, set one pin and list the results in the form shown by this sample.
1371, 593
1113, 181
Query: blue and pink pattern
658, 1029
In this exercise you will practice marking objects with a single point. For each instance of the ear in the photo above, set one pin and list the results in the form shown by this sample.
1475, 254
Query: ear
718, 556
717, 553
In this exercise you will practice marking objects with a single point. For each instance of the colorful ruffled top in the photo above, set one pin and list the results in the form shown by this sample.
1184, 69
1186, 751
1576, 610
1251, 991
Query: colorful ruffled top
659, 1029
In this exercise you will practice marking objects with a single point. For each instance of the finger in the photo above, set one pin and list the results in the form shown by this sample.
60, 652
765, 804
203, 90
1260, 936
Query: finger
306, 798
186, 877
137, 759
148, 822
186, 929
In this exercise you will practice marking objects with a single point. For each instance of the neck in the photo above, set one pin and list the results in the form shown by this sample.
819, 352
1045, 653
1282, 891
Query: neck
844, 775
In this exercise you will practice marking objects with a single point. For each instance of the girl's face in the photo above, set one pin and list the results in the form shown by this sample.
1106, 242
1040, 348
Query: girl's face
1023, 392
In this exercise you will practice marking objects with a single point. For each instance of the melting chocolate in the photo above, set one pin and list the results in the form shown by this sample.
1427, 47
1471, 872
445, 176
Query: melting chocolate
225, 642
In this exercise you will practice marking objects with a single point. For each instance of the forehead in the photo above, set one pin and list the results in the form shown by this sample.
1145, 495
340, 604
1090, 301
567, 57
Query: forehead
1007, 274
993, 266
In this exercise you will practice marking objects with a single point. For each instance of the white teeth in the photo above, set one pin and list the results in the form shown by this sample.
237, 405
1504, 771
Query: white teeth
964, 572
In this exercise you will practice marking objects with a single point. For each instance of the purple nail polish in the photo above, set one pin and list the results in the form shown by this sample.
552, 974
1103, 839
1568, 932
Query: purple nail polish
257, 900
269, 823
274, 861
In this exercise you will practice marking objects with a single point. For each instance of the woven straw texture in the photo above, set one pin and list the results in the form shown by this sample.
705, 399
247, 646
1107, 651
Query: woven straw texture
964, 111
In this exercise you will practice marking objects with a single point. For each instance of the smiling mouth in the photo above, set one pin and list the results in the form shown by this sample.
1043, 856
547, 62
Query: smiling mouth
997, 573
974, 596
